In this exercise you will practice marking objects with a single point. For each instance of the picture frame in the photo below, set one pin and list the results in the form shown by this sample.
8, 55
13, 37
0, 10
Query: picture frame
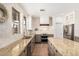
3, 13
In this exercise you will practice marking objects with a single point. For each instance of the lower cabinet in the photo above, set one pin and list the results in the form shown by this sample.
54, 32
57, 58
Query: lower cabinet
52, 51
38, 38
24, 53
32, 44
57, 53
29, 48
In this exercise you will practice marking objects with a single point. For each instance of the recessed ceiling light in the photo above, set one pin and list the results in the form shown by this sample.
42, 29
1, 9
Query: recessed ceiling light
42, 9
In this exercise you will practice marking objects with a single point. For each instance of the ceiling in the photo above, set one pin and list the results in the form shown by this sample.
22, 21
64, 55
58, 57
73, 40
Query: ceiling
51, 9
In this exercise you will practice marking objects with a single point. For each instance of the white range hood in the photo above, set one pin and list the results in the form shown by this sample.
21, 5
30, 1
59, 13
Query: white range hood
44, 19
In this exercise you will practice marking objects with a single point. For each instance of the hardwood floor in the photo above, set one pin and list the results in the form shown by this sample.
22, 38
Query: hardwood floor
41, 49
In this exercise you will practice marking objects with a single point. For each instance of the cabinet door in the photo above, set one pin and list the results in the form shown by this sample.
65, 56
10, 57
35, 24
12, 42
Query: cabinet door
51, 51
57, 53
29, 49
38, 38
24, 53
32, 44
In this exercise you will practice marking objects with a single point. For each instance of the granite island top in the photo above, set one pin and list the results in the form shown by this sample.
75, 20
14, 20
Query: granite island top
65, 46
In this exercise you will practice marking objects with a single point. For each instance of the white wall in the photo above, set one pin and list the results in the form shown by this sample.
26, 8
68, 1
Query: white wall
35, 22
6, 32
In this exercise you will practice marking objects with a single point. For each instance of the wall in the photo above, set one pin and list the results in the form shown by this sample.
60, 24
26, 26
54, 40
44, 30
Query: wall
6, 35
35, 22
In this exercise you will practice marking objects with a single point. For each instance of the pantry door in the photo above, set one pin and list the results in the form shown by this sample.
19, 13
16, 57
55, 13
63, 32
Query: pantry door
58, 30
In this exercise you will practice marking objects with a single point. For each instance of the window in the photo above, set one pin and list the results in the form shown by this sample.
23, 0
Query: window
24, 25
16, 21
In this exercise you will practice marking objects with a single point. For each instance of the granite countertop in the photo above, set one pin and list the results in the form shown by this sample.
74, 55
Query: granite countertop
16, 47
65, 46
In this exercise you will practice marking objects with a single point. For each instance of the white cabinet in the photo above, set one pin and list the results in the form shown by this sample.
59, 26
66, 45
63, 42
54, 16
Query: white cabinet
57, 53
73, 18
52, 51
69, 18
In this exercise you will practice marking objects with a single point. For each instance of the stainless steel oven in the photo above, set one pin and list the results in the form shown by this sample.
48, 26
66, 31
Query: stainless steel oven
44, 37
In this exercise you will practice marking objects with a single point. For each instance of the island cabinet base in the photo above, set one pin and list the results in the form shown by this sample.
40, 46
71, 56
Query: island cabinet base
52, 51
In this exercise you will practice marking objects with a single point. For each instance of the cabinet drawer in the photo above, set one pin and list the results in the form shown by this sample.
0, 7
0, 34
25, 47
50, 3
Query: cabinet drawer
24, 53
57, 53
51, 51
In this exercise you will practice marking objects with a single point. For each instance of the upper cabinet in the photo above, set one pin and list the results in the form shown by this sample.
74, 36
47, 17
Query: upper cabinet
69, 18
72, 18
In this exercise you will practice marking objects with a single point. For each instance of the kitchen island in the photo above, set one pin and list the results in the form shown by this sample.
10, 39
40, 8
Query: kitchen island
63, 47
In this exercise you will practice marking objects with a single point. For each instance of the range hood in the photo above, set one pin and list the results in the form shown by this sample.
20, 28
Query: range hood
44, 20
